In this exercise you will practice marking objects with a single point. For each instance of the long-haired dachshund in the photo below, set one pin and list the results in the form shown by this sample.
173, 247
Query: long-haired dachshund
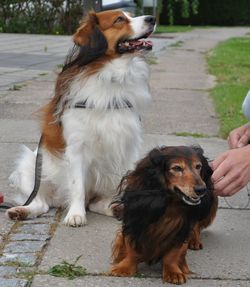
164, 203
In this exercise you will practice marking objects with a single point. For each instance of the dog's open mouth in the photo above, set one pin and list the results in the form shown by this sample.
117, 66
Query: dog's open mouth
187, 199
135, 45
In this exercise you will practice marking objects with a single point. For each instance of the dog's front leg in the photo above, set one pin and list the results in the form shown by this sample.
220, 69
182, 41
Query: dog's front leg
76, 178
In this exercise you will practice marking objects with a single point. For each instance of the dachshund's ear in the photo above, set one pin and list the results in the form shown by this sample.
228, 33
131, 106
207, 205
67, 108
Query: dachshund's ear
198, 150
206, 171
157, 158
87, 27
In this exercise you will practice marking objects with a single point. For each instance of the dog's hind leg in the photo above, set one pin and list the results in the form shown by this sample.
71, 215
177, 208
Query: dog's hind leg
101, 205
22, 179
37, 207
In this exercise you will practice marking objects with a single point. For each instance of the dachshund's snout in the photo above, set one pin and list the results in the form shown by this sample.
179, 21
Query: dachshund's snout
200, 190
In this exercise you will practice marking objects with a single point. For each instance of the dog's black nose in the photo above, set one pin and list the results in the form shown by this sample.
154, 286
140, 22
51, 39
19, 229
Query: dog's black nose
200, 190
150, 20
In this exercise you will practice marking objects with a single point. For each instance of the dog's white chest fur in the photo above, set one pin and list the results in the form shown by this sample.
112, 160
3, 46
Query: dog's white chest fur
124, 78
107, 134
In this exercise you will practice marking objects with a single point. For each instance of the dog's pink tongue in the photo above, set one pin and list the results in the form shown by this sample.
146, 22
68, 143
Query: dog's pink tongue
138, 44
1, 198
135, 45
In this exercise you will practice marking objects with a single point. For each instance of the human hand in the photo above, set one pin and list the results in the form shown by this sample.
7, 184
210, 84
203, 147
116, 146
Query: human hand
231, 171
239, 137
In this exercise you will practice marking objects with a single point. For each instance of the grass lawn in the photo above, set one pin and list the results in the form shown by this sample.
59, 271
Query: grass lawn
230, 63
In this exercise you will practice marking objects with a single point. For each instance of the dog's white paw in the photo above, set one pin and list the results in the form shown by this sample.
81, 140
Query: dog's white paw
75, 220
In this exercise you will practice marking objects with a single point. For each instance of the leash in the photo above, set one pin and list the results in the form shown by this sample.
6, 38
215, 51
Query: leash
38, 172
239, 207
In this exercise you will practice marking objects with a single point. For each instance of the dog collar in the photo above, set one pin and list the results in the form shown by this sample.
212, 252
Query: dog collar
83, 105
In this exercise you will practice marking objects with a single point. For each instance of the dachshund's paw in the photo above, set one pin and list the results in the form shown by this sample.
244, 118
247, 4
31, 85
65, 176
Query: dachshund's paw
122, 270
195, 244
17, 213
174, 277
185, 269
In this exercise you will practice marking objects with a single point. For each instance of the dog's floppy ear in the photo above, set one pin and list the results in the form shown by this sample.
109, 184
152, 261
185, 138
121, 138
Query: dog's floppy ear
157, 158
83, 33
90, 43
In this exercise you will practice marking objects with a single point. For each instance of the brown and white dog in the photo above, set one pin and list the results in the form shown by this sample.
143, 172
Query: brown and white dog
91, 129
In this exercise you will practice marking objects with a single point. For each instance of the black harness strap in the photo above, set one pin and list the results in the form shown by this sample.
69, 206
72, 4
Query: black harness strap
83, 105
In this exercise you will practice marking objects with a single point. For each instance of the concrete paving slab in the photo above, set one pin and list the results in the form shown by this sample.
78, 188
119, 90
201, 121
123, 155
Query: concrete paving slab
31, 92
23, 60
18, 111
164, 118
93, 242
101, 281
180, 60
19, 131
184, 81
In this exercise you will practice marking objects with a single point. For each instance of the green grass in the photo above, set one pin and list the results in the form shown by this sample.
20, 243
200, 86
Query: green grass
17, 87
230, 63
68, 270
194, 135
173, 29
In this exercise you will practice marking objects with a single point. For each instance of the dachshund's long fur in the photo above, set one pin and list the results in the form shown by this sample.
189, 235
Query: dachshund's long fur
164, 203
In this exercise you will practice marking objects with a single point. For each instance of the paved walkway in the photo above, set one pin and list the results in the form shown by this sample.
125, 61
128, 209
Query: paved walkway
181, 103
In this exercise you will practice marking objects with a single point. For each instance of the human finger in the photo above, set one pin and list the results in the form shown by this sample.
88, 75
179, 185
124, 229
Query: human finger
243, 141
223, 184
233, 139
216, 162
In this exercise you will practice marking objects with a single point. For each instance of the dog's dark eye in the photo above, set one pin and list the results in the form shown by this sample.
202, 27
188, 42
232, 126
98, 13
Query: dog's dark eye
120, 19
177, 168
198, 166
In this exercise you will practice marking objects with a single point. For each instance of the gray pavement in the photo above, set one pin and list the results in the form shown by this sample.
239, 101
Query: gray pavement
181, 104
